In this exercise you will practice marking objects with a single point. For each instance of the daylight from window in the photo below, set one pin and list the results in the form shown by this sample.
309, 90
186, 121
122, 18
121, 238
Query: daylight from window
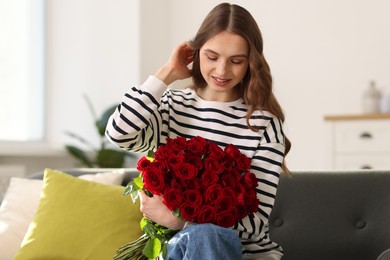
22, 70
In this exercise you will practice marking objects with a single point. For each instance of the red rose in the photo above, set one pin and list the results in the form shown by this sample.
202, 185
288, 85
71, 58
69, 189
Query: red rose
240, 195
193, 196
214, 149
197, 146
226, 220
213, 164
177, 144
232, 151
153, 180
176, 183
252, 201
172, 198
228, 180
185, 171
240, 212
225, 204
189, 211
243, 163
213, 193
191, 184
207, 214
196, 161
143, 163
236, 174
208, 178
227, 163
231, 195
163, 153
249, 180
239, 188
161, 165
175, 160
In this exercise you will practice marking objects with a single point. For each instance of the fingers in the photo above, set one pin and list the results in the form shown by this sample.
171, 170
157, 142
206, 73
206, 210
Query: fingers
154, 209
147, 201
184, 52
188, 53
176, 67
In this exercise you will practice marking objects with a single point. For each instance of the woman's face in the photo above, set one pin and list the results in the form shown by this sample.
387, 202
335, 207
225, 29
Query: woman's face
223, 64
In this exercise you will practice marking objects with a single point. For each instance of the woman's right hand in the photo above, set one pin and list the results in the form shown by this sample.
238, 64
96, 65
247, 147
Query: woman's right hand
154, 209
177, 65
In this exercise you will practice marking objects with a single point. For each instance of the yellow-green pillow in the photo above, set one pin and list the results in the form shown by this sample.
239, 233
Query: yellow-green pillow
78, 219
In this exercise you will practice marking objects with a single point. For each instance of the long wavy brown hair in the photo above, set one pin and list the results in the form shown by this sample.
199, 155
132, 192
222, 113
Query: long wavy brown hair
256, 86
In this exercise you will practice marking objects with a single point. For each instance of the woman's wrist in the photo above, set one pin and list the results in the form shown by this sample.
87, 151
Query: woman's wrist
179, 224
165, 74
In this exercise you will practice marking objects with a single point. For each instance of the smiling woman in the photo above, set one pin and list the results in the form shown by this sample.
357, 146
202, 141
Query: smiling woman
22, 70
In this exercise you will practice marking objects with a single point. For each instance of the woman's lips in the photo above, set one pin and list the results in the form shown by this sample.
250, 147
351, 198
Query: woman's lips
220, 81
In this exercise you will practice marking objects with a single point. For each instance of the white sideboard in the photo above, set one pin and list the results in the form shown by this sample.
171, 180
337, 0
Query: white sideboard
360, 141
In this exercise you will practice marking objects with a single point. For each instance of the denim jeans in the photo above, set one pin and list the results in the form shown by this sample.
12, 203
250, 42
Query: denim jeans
204, 242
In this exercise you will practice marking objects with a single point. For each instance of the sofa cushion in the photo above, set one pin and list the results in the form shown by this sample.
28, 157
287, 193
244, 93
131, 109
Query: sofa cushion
16, 212
21, 201
79, 219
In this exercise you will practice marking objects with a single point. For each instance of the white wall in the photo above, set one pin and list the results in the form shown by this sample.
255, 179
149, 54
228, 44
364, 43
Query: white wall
93, 49
322, 54
155, 35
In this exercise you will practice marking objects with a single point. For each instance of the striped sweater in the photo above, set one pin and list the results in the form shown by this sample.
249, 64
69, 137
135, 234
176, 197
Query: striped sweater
150, 113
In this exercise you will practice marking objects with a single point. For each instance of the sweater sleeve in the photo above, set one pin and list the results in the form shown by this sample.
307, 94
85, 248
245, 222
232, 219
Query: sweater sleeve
266, 165
136, 123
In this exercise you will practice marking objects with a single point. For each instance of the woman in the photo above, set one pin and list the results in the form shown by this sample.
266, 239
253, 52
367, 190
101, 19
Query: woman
231, 102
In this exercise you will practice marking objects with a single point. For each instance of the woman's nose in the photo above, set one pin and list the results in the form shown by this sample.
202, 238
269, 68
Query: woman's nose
221, 67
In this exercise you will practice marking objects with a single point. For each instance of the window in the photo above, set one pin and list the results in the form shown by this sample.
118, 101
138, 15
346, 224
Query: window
22, 70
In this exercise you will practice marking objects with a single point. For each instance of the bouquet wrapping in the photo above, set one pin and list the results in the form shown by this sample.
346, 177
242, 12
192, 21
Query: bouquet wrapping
199, 182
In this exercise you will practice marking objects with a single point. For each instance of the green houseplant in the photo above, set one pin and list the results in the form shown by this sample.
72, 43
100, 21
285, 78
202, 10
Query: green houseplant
101, 156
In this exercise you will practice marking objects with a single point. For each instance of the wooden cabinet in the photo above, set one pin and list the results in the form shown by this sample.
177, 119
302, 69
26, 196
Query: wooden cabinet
360, 141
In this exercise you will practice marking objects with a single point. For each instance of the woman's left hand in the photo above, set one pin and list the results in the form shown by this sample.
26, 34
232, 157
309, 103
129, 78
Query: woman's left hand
154, 209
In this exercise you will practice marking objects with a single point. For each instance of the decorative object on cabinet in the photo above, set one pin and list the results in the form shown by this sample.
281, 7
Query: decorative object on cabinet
371, 99
360, 141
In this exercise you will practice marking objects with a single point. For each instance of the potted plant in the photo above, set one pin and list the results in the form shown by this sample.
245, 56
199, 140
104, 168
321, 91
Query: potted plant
101, 156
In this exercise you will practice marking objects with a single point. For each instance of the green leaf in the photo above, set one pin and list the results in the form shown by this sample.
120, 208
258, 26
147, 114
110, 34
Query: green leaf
150, 154
152, 248
79, 154
128, 188
164, 250
176, 213
138, 182
143, 223
133, 187
103, 120
108, 158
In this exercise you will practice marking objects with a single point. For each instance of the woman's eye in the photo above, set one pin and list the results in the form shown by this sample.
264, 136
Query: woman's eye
236, 61
212, 58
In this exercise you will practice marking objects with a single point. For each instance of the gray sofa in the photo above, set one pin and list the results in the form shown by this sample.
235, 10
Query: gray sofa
326, 215
333, 215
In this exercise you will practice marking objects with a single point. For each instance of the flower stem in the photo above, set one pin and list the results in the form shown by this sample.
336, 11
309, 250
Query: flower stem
132, 250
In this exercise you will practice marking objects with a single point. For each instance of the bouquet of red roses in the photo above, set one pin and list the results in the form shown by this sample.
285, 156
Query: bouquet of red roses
199, 182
